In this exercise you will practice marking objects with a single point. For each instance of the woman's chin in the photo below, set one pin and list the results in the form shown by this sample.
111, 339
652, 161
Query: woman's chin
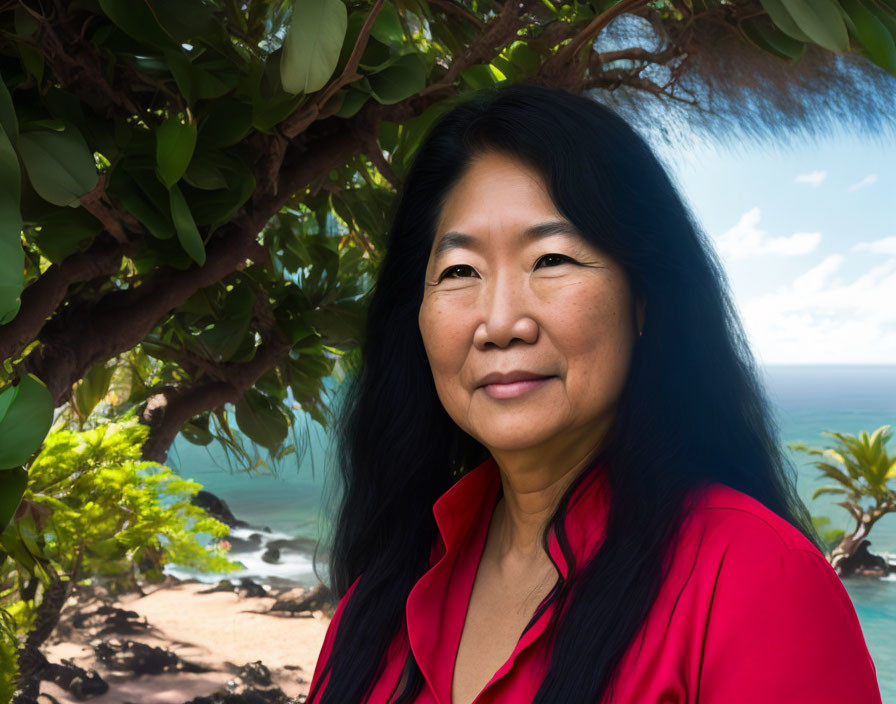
519, 440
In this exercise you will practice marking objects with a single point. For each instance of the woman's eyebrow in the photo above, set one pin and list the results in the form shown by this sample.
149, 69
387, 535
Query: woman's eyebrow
455, 240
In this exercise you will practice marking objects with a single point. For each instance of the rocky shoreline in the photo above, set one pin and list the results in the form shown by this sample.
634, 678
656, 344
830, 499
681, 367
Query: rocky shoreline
181, 642
250, 639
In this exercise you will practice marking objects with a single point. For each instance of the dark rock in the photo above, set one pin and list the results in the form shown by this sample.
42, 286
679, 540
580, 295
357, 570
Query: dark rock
271, 555
225, 585
254, 687
295, 601
253, 589
300, 544
238, 545
217, 508
864, 563
110, 619
255, 673
133, 656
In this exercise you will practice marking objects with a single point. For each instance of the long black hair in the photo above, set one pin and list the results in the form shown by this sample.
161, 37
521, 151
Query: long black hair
692, 411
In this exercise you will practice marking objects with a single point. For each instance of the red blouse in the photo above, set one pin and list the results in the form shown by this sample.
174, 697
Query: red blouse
751, 611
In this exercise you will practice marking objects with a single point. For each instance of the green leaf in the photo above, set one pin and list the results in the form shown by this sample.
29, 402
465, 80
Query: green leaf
196, 430
205, 176
263, 420
184, 19
12, 487
226, 123
401, 80
187, 233
214, 207
62, 231
27, 421
92, 388
387, 26
128, 191
268, 113
224, 337
180, 67
312, 45
26, 25
10, 175
136, 19
783, 19
59, 164
353, 101
524, 57
821, 21
32, 61
412, 133
8, 120
871, 32
12, 257
175, 142
340, 325
481, 76
763, 33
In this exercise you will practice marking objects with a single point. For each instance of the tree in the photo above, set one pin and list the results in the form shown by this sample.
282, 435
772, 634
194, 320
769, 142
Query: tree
196, 195
860, 466
94, 511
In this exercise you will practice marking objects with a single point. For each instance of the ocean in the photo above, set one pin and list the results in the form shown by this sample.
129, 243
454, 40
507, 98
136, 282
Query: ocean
292, 503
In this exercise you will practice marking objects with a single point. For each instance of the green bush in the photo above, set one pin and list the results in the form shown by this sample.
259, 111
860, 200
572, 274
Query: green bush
93, 507
8, 663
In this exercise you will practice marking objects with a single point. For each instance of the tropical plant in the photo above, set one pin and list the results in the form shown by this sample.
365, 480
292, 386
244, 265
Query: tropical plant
831, 536
199, 180
9, 667
94, 511
860, 468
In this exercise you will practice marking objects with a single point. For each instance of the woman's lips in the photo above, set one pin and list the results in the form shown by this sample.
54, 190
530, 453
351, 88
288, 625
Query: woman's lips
515, 388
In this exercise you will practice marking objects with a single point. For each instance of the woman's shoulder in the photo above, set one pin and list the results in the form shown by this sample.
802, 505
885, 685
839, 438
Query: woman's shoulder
733, 519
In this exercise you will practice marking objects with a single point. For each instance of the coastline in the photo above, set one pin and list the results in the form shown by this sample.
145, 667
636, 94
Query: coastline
205, 634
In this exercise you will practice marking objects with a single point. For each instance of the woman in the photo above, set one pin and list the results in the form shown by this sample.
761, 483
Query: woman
561, 477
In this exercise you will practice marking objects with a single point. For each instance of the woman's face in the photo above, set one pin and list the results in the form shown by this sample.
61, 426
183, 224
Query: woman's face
512, 293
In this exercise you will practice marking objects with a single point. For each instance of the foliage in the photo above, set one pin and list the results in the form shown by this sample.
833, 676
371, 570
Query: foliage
860, 468
26, 412
831, 536
92, 508
200, 190
9, 667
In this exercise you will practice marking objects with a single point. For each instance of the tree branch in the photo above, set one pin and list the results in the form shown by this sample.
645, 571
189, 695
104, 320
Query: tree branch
123, 318
298, 122
44, 295
167, 411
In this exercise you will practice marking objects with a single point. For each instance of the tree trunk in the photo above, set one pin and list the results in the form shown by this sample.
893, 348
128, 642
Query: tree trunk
31, 660
851, 556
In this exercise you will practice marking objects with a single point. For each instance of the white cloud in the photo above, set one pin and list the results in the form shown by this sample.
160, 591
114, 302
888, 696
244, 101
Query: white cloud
813, 178
820, 318
867, 181
885, 246
745, 240
814, 280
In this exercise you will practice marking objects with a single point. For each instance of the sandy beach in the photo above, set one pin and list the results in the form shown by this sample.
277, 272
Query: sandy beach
220, 632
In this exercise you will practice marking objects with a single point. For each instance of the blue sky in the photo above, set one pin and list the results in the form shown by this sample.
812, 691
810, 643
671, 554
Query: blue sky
805, 229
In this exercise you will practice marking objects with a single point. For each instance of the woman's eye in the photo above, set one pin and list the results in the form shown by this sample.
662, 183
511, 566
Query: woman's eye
558, 258
447, 273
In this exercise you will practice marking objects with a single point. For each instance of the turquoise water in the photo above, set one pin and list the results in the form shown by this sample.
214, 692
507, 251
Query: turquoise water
807, 400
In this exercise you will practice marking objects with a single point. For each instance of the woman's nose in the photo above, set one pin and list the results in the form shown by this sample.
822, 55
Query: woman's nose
505, 313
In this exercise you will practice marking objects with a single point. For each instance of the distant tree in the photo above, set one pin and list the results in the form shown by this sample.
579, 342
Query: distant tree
196, 193
861, 468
